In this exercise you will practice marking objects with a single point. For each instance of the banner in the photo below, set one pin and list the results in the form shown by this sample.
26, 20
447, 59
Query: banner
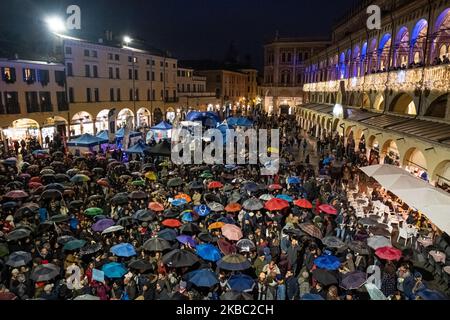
112, 125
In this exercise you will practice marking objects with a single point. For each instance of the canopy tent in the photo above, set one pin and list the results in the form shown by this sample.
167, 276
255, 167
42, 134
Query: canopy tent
104, 135
86, 141
210, 119
139, 148
121, 133
431, 201
244, 122
162, 126
162, 149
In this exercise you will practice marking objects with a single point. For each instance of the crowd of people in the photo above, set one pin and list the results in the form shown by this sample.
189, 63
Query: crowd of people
97, 228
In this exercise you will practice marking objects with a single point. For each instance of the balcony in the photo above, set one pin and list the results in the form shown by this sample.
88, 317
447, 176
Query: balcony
171, 99
434, 78
196, 94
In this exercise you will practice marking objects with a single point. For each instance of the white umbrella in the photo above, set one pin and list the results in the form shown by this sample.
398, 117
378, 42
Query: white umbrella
376, 242
374, 292
86, 297
428, 196
382, 169
112, 229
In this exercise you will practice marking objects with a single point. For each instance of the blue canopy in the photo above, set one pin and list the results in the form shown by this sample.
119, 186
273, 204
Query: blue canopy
138, 148
86, 140
162, 126
210, 119
232, 121
103, 135
244, 122
121, 133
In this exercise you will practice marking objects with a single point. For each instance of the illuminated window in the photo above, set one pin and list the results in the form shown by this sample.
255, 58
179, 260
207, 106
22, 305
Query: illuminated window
29, 75
9, 74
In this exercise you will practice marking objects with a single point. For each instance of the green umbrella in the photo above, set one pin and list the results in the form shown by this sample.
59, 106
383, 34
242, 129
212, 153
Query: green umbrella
93, 212
138, 183
74, 245
4, 250
175, 182
206, 175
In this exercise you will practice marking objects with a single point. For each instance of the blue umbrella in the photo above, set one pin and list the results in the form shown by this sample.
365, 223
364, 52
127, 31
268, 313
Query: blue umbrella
428, 294
294, 180
202, 278
123, 250
310, 296
241, 283
114, 270
184, 239
202, 210
230, 166
102, 225
208, 252
226, 220
285, 197
251, 186
168, 234
327, 262
179, 202
327, 160
187, 216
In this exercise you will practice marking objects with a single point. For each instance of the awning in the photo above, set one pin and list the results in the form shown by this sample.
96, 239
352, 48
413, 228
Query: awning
431, 201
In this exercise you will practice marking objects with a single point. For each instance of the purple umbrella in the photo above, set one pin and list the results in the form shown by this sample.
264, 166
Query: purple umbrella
184, 239
102, 225
353, 280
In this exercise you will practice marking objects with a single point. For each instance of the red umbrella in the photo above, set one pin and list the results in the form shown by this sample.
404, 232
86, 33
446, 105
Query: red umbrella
328, 209
155, 206
215, 185
274, 187
276, 204
233, 207
303, 203
388, 253
226, 247
34, 185
16, 194
35, 179
103, 182
171, 223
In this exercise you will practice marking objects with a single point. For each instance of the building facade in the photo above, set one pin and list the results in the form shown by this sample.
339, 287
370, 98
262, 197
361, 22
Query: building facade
284, 67
387, 87
32, 99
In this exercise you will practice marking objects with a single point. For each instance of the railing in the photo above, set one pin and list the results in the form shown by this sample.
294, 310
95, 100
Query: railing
171, 99
434, 78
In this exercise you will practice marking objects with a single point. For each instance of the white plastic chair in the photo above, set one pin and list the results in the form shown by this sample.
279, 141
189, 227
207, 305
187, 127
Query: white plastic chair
405, 234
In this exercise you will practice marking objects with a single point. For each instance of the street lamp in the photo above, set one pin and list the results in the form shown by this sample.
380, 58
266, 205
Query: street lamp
127, 40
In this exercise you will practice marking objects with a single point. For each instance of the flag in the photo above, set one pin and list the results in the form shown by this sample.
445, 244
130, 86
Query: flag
112, 124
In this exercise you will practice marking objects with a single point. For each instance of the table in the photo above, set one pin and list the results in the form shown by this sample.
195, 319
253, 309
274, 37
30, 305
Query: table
438, 256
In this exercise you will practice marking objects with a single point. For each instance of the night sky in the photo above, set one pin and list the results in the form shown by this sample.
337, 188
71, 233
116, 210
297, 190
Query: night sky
188, 29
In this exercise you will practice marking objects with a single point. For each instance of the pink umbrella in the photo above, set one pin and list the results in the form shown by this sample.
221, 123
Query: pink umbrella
388, 253
232, 232
328, 209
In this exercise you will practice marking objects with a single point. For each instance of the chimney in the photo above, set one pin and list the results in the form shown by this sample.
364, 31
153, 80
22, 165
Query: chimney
109, 35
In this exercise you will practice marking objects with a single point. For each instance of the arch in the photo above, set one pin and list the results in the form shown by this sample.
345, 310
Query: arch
54, 125
418, 40
21, 129
123, 117
384, 50
441, 174
378, 104
372, 56
364, 101
363, 58
143, 117
342, 65
401, 56
441, 32
389, 152
158, 115
415, 158
82, 122
373, 143
356, 62
404, 104
101, 121
438, 108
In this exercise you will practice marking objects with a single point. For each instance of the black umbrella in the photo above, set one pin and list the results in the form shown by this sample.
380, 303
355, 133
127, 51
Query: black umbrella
195, 185
253, 204
18, 259
141, 265
76, 204
125, 221
98, 171
44, 227
18, 234
325, 277
44, 272
156, 244
175, 182
189, 228
60, 177
90, 249
206, 237
144, 215
234, 262
48, 178
210, 197
60, 218
170, 213
95, 197
138, 195
294, 232
168, 234
353, 280
333, 242
51, 194
64, 239
180, 258
119, 199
